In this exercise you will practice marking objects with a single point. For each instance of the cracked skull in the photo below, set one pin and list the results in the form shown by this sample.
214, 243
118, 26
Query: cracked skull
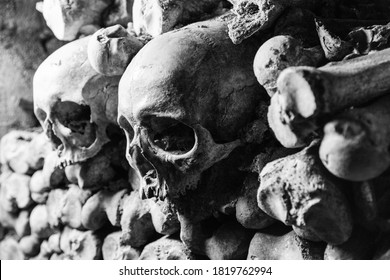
182, 101
75, 105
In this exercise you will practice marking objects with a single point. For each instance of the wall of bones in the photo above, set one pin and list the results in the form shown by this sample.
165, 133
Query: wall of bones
209, 129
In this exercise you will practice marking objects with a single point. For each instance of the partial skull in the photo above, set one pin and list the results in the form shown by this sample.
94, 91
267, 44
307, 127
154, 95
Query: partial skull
75, 105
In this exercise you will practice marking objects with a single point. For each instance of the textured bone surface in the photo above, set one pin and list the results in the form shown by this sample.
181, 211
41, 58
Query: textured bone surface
102, 208
156, 17
67, 18
166, 248
54, 204
299, 191
19, 223
89, 175
23, 151
111, 49
306, 94
164, 217
248, 214
10, 249
80, 245
281, 52
283, 246
15, 192
186, 150
136, 221
72, 205
39, 223
356, 143
112, 248
30, 245
74, 109
42, 181
229, 242
252, 16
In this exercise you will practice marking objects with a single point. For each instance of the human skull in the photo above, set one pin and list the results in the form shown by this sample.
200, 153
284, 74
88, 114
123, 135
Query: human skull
75, 105
182, 102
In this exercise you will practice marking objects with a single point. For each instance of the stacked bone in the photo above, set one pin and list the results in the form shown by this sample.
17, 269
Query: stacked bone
197, 137
77, 213
328, 96
65, 193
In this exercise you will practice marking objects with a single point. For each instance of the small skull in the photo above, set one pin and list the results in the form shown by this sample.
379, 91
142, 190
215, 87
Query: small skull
75, 105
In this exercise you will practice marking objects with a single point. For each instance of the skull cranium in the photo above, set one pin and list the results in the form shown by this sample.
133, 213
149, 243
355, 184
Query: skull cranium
75, 105
182, 102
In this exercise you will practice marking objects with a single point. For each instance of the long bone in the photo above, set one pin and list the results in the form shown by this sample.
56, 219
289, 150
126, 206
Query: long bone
356, 144
307, 95
299, 191
68, 18
255, 15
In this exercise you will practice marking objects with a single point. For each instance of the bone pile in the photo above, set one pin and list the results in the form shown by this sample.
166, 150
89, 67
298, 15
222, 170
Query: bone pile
211, 129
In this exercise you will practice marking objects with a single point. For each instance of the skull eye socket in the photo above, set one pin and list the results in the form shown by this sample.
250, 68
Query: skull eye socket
172, 136
74, 116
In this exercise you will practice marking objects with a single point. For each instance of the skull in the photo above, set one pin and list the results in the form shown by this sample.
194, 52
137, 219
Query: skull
75, 105
182, 102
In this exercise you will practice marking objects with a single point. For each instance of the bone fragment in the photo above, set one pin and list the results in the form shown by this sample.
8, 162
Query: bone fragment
42, 181
15, 192
136, 221
356, 143
299, 191
23, 151
94, 172
39, 223
164, 217
158, 17
72, 205
103, 208
334, 47
66, 19
44, 252
54, 242
54, 204
248, 213
80, 245
252, 16
111, 49
16, 222
279, 53
30, 245
229, 242
10, 249
288, 246
166, 248
112, 248
307, 95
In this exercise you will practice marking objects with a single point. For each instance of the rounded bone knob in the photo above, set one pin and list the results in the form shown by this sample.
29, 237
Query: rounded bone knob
279, 53
111, 49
